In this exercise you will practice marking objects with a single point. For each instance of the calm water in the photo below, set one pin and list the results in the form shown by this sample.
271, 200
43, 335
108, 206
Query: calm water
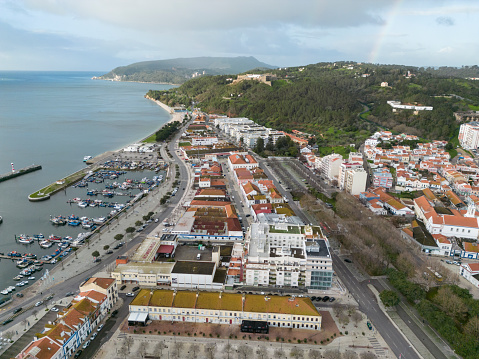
54, 119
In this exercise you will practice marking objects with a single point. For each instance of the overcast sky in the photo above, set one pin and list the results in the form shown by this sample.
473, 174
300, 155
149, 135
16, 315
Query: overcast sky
103, 34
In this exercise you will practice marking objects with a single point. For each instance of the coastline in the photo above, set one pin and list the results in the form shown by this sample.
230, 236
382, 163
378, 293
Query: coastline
34, 197
175, 116
138, 82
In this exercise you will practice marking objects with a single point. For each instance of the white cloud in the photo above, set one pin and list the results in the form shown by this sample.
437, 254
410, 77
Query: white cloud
446, 50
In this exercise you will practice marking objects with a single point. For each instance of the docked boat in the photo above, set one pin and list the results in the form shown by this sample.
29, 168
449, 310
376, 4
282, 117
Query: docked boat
14, 254
23, 263
54, 238
46, 243
31, 278
24, 239
99, 220
86, 158
83, 204
5, 292
38, 236
18, 277
30, 256
58, 220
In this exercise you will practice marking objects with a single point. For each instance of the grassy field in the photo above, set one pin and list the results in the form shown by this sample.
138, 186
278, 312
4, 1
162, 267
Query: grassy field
151, 139
183, 144
342, 150
52, 188
473, 107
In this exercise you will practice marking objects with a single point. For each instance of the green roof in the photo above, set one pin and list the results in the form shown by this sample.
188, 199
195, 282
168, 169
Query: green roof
162, 298
280, 305
291, 229
184, 299
142, 298
212, 300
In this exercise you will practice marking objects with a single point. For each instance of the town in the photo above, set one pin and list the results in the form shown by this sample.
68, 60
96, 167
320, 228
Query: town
233, 249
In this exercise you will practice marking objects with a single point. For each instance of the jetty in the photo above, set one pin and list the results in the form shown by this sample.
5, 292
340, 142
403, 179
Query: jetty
21, 172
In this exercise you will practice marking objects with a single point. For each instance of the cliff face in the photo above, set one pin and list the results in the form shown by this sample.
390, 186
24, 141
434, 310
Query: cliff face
178, 71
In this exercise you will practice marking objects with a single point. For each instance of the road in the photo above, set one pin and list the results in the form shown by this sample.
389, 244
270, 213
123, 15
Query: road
368, 305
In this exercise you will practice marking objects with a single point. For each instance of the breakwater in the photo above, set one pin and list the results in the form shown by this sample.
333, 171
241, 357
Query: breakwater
20, 172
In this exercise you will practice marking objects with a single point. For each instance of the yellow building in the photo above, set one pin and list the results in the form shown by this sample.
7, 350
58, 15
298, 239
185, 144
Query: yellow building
224, 308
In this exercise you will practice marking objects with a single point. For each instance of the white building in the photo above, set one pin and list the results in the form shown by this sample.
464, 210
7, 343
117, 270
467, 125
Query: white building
469, 135
470, 271
355, 181
203, 141
276, 255
241, 161
343, 169
330, 166
396, 105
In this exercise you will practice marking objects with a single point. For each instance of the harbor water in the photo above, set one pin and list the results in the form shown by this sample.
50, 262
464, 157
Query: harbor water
54, 119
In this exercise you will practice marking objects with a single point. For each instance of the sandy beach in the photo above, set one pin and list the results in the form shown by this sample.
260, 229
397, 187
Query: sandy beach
175, 116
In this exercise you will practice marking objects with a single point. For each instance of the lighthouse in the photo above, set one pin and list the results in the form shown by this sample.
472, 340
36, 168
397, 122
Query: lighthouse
13, 169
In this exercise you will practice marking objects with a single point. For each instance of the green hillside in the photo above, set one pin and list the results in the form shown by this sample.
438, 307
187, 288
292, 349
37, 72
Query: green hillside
326, 99
177, 71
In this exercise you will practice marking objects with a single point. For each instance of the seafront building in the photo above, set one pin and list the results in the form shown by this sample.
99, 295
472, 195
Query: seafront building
223, 308
61, 338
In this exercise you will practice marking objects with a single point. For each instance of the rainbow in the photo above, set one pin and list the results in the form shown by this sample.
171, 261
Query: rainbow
384, 31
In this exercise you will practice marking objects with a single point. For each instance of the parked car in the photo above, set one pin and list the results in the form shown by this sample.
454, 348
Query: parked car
369, 325
54, 309
114, 313
325, 299
100, 327
318, 299
7, 321
332, 299
39, 303
347, 260
135, 289
130, 294
93, 336
123, 287
109, 251
87, 343
78, 353
19, 295
69, 294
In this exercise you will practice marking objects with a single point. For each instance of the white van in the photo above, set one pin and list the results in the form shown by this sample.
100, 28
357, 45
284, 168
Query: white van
198, 256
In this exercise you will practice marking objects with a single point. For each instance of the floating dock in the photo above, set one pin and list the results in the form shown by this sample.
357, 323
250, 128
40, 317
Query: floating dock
20, 172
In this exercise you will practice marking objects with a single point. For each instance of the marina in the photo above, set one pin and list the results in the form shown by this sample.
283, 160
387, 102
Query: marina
102, 113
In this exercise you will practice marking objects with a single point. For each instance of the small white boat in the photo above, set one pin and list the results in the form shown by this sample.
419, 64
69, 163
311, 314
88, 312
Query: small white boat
83, 204
31, 278
5, 292
86, 158
46, 244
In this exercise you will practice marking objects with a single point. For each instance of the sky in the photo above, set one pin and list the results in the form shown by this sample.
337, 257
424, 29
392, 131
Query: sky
99, 35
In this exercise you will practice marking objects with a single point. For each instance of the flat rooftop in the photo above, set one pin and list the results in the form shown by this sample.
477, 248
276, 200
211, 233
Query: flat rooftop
190, 267
145, 268
146, 251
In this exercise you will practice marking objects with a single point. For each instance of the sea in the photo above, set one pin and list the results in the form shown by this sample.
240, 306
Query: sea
54, 119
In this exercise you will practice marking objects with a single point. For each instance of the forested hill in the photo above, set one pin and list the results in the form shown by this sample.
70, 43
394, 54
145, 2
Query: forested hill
177, 71
325, 99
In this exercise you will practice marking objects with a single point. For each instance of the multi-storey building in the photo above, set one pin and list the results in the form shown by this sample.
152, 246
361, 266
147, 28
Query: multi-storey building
330, 166
469, 135
343, 169
319, 265
355, 181
383, 178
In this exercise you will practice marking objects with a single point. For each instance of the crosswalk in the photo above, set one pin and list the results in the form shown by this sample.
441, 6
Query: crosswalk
379, 350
